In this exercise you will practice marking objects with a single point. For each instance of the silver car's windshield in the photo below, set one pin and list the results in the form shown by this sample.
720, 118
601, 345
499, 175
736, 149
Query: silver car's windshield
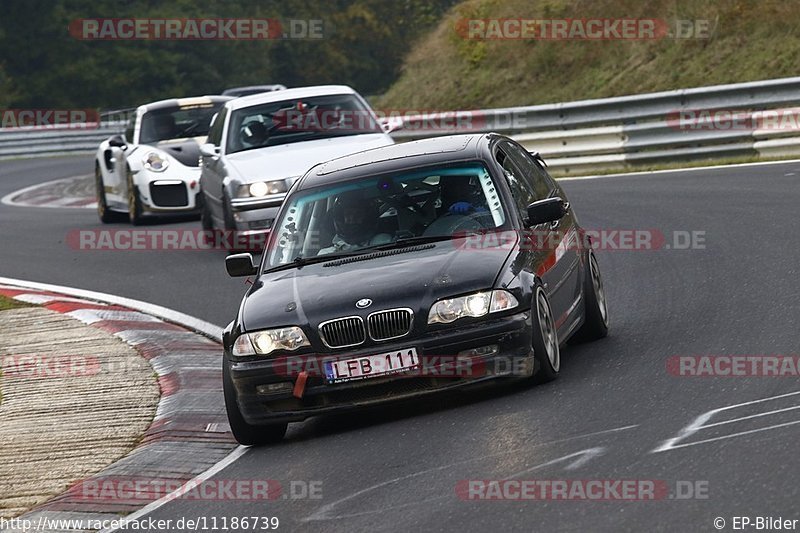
299, 119
433, 202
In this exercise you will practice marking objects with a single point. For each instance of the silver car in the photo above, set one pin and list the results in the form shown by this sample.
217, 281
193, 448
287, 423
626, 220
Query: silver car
259, 145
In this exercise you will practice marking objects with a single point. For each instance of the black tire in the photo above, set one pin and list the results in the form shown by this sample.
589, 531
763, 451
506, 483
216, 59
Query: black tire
595, 321
134, 202
231, 231
244, 433
227, 214
107, 216
546, 350
205, 215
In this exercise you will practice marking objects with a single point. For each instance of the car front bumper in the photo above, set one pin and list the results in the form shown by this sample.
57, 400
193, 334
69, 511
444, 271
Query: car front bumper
254, 216
175, 190
445, 366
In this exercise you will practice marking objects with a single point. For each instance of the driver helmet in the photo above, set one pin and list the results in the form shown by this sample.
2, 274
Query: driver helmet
254, 133
355, 217
164, 125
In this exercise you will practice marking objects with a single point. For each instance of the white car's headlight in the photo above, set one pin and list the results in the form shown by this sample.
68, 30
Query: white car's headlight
474, 305
259, 189
155, 162
269, 340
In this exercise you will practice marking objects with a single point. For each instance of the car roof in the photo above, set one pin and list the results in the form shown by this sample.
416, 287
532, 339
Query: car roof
180, 102
288, 94
397, 157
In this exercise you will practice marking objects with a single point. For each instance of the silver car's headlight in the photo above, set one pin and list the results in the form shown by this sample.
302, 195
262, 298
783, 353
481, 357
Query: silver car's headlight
260, 189
267, 341
474, 305
155, 162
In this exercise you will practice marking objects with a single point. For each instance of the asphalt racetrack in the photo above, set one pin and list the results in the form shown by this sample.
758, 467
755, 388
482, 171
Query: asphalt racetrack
616, 412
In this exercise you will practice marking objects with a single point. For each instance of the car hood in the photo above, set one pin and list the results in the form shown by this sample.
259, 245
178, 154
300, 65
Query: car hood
415, 279
186, 150
293, 160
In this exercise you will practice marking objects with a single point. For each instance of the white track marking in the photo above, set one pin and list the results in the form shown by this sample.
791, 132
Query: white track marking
8, 199
739, 434
170, 315
90, 316
699, 423
666, 171
41, 299
324, 512
214, 470
751, 416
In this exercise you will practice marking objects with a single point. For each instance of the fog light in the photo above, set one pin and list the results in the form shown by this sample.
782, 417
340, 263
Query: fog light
275, 388
481, 351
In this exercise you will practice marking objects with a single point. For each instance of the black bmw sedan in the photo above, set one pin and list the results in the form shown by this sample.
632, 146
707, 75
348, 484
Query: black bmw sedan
404, 271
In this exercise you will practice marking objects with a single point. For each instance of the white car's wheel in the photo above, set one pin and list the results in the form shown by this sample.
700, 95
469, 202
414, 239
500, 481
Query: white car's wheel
107, 216
134, 202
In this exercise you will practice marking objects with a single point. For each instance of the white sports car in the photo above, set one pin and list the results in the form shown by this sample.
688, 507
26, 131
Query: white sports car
154, 167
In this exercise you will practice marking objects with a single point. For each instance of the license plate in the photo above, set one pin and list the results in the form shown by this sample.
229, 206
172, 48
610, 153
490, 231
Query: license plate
371, 366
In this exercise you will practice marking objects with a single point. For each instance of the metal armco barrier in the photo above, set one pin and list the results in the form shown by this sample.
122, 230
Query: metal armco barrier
645, 129
573, 137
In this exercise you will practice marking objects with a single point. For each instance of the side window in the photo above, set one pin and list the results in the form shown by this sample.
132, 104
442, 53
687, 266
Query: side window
215, 133
536, 176
520, 187
129, 129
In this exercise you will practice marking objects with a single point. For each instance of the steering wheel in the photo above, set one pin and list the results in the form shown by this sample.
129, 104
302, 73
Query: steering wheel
450, 223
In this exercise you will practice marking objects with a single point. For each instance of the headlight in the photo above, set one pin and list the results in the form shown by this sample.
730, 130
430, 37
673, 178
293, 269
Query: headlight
269, 340
153, 161
474, 305
261, 188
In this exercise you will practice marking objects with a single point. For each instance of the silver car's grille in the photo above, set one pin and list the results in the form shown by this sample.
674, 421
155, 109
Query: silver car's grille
390, 324
343, 332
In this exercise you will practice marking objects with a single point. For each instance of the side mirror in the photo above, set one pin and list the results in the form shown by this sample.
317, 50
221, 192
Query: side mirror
391, 124
547, 210
239, 265
209, 150
117, 141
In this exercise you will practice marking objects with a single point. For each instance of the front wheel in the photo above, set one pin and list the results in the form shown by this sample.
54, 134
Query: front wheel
595, 321
205, 214
134, 202
244, 433
107, 216
546, 351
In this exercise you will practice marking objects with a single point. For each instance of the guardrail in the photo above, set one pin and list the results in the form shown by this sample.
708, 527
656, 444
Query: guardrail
645, 129
32, 142
573, 137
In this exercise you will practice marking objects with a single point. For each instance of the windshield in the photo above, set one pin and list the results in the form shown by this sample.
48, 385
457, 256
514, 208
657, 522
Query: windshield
299, 119
433, 203
177, 122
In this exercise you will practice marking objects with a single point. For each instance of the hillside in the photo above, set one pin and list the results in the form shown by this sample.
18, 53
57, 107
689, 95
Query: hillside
750, 40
